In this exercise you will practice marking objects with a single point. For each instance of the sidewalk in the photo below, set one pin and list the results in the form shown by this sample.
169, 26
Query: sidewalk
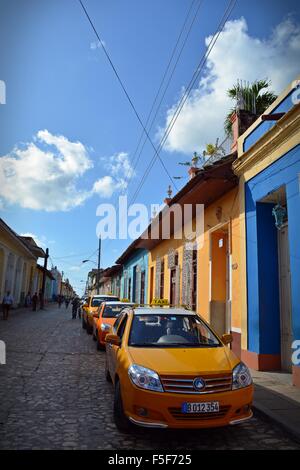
277, 398
21, 310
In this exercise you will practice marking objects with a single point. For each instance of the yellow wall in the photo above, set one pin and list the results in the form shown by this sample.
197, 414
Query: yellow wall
230, 216
161, 251
229, 220
11, 245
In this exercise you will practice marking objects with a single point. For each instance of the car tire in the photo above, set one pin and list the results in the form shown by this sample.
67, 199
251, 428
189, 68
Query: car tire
107, 374
89, 330
83, 324
120, 419
99, 345
95, 336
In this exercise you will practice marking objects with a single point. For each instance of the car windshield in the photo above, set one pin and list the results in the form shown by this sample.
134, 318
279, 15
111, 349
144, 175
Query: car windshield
171, 331
96, 301
113, 311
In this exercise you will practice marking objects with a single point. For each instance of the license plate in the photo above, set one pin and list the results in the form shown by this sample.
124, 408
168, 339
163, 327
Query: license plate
203, 407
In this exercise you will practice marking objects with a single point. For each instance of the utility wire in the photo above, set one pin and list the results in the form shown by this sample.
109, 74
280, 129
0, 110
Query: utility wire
169, 80
125, 91
165, 74
195, 76
161, 86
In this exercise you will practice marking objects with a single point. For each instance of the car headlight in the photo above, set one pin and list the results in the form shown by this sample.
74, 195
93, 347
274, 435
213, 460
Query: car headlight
241, 376
105, 327
145, 378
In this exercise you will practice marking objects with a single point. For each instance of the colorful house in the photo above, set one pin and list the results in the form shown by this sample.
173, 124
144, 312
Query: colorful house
110, 281
268, 166
204, 276
135, 273
18, 264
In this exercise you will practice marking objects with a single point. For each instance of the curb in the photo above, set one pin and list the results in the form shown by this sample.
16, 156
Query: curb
289, 427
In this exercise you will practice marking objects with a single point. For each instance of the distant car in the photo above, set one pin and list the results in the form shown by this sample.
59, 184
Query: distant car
90, 308
171, 370
108, 312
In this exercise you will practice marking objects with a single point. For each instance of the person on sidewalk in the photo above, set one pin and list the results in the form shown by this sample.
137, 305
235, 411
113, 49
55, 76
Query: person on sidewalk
28, 300
67, 301
75, 305
34, 301
6, 304
41, 299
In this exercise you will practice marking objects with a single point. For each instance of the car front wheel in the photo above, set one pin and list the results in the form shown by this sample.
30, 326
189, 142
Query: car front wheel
121, 420
83, 324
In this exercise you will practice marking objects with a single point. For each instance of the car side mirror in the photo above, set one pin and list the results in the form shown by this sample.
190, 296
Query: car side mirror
113, 339
227, 338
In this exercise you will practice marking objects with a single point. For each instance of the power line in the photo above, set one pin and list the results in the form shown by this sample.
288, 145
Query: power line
73, 256
166, 72
195, 76
125, 91
161, 86
169, 80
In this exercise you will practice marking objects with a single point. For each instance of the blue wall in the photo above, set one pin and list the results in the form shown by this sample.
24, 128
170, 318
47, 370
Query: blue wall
265, 126
139, 258
262, 259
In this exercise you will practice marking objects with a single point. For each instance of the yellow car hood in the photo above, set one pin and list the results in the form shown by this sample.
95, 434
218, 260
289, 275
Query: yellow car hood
184, 361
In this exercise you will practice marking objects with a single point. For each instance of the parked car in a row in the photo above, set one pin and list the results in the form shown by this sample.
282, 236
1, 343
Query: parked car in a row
107, 314
90, 309
169, 369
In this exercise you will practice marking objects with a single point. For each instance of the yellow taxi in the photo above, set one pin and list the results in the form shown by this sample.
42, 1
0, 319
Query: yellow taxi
107, 314
171, 370
90, 309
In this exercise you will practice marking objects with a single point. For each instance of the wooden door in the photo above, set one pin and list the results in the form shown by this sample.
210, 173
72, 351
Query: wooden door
285, 299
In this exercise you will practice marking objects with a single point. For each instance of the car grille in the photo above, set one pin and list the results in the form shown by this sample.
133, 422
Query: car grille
184, 384
177, 414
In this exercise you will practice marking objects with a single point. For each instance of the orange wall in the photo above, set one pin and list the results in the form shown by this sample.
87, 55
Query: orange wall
219, 268
230, 216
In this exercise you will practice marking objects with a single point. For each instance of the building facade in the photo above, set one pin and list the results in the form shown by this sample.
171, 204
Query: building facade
134, 277
268, 166
18, 264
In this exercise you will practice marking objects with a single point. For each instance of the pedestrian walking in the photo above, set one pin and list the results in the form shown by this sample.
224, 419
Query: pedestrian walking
6, 305
34, 301
75, 306
41, 299
27, 302
67, 301
59, 300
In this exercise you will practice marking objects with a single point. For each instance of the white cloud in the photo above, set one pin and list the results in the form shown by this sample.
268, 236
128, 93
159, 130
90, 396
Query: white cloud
39, 241
42, 174
120, 170
104, 187
96, 44
236, 55
74, 268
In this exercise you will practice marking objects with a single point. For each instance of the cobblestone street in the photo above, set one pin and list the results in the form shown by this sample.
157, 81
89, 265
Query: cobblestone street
53, 395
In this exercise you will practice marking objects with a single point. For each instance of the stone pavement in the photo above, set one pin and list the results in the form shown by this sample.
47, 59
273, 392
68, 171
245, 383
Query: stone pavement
53, 395
277, 398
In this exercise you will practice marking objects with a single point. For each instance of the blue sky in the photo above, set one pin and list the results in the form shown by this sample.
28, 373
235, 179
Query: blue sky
60, 90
